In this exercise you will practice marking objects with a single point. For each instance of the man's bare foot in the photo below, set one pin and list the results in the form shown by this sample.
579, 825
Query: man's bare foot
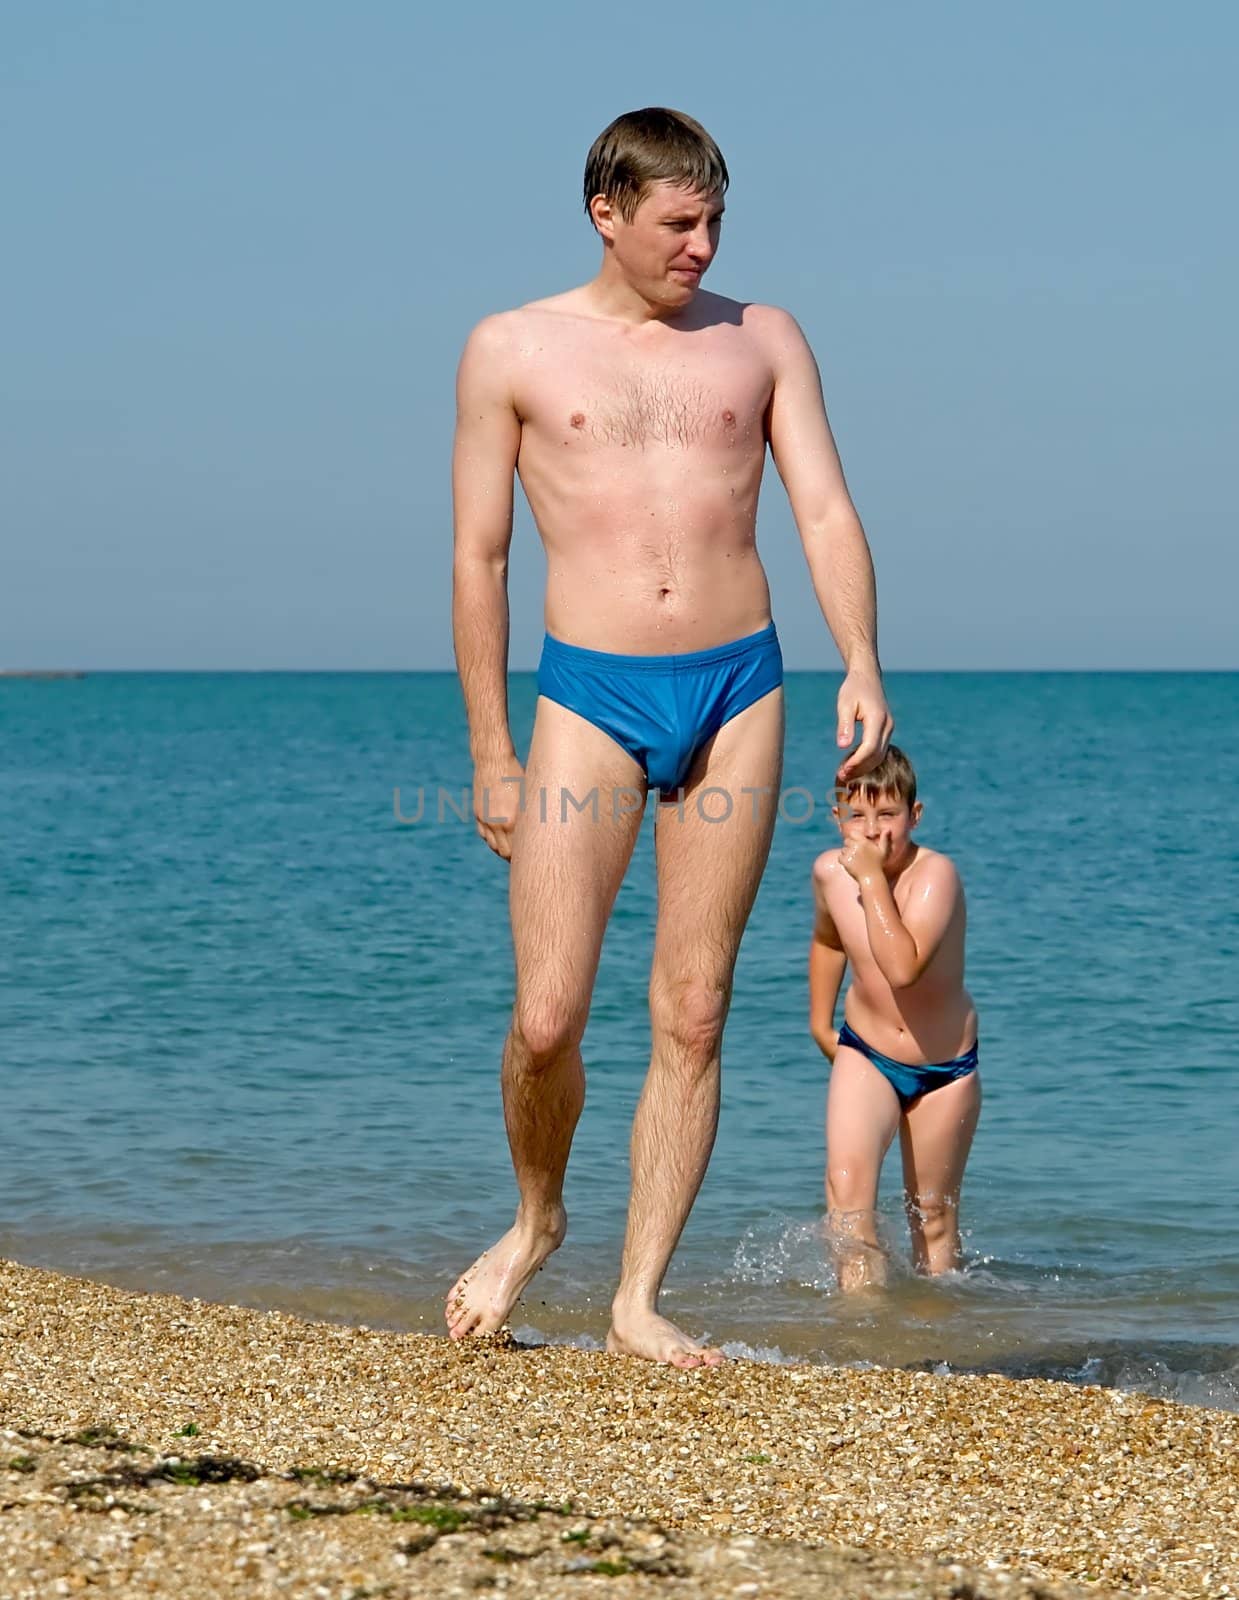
481, 1299
653, 1338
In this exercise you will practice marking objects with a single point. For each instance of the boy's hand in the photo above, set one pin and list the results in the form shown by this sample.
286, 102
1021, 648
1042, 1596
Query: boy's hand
861, 859
828, 1043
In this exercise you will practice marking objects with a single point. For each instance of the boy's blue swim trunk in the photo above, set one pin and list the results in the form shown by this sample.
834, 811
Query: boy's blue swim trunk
909, 1083
662, 709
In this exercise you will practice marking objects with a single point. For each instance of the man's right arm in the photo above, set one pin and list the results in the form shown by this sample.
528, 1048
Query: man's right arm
488, 434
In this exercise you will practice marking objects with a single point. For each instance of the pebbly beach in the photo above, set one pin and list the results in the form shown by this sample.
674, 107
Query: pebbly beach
156, 1445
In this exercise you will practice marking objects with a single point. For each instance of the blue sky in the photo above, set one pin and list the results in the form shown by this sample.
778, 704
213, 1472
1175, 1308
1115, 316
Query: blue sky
244, 243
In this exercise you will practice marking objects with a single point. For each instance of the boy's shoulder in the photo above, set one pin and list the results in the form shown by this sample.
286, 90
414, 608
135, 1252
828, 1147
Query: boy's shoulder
826, 865
934, 866
930, 866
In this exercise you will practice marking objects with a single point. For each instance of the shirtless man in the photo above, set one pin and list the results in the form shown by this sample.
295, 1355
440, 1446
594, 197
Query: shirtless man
637, 410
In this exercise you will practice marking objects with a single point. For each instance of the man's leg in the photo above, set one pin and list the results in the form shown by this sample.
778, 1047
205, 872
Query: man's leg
862, 1117
936, 1138
708, 873
567, 865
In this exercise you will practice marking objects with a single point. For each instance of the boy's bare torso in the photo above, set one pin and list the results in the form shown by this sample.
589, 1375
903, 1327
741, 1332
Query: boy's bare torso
641, 454
932, 1021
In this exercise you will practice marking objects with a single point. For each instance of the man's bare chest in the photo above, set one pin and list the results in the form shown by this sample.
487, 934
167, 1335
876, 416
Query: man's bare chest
596, 397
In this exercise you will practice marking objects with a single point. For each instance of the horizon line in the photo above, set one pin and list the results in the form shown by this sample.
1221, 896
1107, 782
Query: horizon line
71, 674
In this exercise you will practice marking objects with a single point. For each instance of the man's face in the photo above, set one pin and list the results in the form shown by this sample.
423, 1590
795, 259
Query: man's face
885, 821
665, 248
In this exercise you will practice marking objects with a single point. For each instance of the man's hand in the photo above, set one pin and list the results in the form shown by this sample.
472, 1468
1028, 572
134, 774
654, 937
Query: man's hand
498, 797
861, 858
862, 699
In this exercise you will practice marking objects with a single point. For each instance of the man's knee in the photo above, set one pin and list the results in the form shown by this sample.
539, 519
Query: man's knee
690, 1014
544, 1028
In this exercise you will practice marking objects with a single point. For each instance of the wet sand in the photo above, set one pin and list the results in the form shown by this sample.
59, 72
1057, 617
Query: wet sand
164, 1446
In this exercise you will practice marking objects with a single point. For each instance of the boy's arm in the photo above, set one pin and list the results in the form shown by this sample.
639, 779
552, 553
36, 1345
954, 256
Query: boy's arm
903, 946
827, 964
488, 434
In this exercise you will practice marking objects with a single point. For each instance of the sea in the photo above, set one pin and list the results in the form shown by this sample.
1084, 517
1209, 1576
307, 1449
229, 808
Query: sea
255, 972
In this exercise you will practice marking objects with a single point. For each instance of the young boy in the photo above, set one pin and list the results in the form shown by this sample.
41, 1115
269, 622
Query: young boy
906, 1057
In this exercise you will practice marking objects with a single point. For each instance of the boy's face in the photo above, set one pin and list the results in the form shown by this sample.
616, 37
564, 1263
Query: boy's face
883, 821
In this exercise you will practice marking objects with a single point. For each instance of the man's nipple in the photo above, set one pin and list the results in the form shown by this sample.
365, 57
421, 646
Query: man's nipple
577, 419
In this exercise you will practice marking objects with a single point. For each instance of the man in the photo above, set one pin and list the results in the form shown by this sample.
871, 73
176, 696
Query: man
637, 410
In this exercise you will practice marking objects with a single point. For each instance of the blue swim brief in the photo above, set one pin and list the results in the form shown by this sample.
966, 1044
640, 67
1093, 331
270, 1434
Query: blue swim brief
662, 709
909, 1083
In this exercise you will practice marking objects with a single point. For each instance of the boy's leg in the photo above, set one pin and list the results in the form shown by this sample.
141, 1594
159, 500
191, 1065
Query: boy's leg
936, 1137
862, 1116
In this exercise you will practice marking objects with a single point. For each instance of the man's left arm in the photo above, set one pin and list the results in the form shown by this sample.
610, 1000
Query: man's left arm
834, 542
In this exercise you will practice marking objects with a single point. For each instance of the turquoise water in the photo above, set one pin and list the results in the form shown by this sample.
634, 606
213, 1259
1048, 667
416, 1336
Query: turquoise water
251, 1021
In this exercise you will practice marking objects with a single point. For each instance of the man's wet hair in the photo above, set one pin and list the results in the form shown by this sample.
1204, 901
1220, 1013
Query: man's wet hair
892, 775
649, 146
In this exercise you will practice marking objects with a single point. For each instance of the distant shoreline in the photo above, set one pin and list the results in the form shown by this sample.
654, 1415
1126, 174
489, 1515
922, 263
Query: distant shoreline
37, 672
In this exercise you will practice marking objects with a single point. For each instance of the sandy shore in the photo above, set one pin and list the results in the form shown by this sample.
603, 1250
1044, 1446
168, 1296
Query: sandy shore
164, 1446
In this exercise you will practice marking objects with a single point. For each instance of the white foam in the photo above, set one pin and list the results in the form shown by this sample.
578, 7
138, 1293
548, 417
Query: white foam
769, 1355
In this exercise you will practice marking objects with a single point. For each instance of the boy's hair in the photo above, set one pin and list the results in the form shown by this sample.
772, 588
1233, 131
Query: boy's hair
642, 147
892, 775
